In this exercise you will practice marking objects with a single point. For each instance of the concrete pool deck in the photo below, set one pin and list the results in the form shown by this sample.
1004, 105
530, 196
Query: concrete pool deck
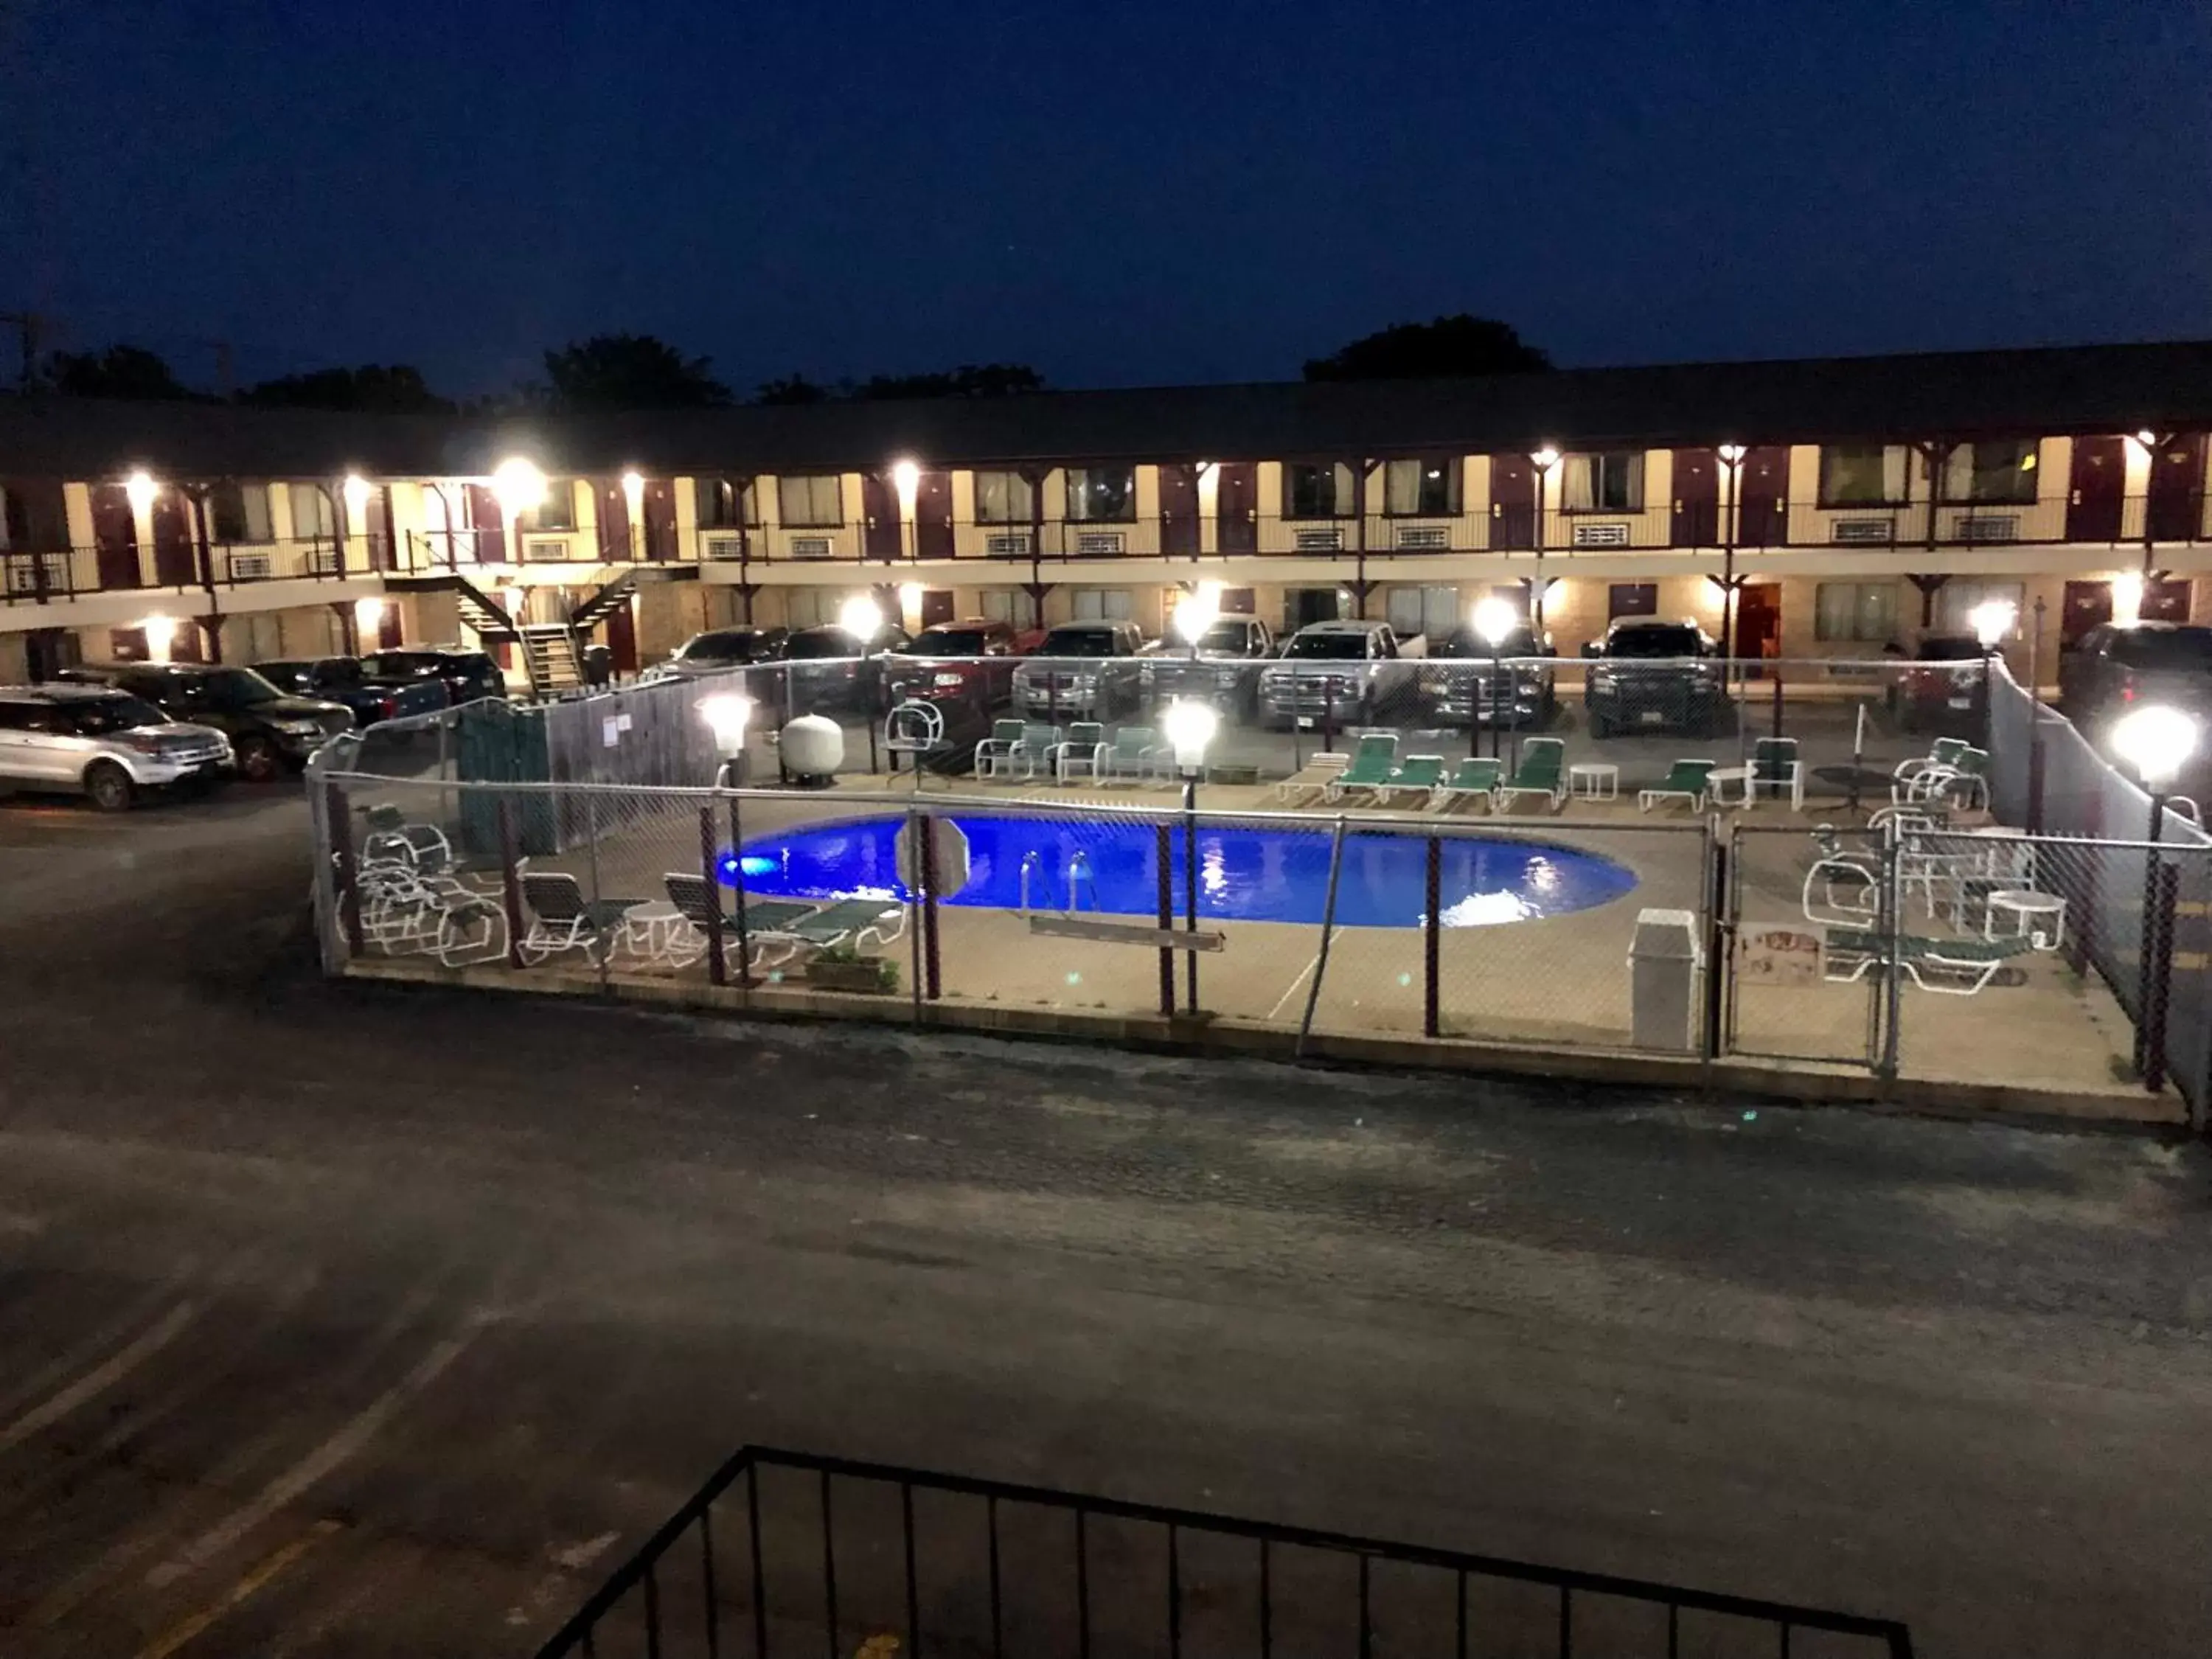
1548, 995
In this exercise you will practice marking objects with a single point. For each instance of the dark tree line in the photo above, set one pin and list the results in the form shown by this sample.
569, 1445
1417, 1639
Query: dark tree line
608, 373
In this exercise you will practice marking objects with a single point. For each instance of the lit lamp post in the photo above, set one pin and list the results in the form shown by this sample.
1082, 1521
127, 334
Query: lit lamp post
1544, 459
2157, 741
633, 485
1993, 621
519, 488
1731, 459
727, 714
906, 481
863, 618
1190, 727
1494, 620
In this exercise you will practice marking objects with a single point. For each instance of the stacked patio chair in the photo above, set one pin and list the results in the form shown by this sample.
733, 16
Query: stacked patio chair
1419, 776
1374, 758
1313, 778
1542, 771
1686, 779
1474, 779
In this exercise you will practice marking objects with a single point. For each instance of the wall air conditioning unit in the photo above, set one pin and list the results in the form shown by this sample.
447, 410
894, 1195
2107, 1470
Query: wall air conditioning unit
1863, 532
544, 552
251, 567
1098, 543
811, 547
323, 561
22, 576
1990, 527
1601, 535
1424, 537
722, 548
1007, 544
1330, 540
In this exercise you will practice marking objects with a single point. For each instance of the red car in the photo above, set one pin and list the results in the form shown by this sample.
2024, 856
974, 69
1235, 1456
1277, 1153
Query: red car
969, 665
1941, 691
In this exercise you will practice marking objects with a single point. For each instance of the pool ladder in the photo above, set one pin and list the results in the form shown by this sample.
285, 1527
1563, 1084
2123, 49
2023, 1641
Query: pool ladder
1079, 871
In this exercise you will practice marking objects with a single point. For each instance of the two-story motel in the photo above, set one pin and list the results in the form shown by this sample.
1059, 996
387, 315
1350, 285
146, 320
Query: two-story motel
1805, 508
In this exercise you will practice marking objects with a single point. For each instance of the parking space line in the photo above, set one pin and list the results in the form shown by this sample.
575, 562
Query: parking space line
257, 1577
101, 1378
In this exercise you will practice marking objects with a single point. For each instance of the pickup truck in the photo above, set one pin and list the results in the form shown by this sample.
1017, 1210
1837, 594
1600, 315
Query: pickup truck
1652, 675
1222, 668
1087, 670
1509, 684
343, 680
961, 665
1341, 673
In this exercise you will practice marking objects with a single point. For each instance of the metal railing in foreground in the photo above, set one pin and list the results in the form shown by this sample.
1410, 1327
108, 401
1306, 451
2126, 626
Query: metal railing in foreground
789, 1553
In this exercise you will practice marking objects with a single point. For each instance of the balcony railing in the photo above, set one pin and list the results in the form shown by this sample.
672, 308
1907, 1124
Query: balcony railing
56, 575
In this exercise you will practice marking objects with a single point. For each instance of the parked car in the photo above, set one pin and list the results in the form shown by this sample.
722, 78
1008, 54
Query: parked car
1481, 689
2111, 667
1222, 667
270, 732
343, 680
969, 665
719, 650
1940, 691
826, 674
470, 676
1653, 676
105, 744
1340, 672
1086, 670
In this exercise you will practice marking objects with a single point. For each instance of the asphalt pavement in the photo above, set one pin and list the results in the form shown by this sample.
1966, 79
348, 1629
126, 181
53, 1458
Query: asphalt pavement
339, 1320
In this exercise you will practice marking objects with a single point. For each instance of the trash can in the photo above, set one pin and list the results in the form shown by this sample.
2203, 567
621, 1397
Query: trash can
1663, 960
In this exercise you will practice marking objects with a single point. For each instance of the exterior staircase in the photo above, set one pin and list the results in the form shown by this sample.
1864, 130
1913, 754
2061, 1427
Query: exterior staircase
549, 657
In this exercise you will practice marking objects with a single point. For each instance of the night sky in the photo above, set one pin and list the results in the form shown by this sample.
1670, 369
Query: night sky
1115, 193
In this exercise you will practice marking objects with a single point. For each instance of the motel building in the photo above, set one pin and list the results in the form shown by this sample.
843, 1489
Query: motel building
1817, 509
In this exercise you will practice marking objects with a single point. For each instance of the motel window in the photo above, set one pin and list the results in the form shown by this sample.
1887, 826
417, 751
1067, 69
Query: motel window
1101, 494
238, 513
557, 511
1103, 605
810, 607
1426, 487
1862, 475
811, 502
1858, 613
1611, 482
1317, 490
1004, 498
1431, 611
1632, 600
1956, 601
311, 513
1999, 473
724, 504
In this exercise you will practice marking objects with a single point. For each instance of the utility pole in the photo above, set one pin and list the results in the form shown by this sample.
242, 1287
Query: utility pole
29, 325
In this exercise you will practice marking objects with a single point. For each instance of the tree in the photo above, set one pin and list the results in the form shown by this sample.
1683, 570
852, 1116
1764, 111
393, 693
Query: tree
969, 380
1447, 347
120, 371
397, 389
788, 389
630, 371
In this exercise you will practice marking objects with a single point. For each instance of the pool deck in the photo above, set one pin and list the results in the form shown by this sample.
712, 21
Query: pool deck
1548, 995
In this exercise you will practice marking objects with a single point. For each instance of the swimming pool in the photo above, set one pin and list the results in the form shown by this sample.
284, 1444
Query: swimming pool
1246, 873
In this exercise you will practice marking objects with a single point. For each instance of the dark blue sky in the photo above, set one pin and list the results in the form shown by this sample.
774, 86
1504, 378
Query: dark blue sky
1115, 194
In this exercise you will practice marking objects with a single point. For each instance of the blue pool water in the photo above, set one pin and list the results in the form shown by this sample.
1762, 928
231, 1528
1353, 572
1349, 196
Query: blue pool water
1245, 874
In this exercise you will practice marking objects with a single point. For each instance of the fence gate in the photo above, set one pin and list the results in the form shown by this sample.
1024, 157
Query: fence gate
1789, 995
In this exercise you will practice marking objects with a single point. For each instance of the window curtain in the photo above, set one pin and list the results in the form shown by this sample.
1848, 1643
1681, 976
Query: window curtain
1002, 498
311, 511
1893, 458
1579, 483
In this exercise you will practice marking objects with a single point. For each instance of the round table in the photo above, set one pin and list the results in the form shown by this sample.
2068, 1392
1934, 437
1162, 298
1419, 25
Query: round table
2028, 907
1594, 780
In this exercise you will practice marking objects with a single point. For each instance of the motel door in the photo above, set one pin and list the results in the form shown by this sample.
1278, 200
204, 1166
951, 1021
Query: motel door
2098, 490
614, 522
659, 508
1236, 507
115, 536
622, 636
2176, 506
173, 542
2086, 605
1759, 620
936, 606
490, 529
1179, 510
1697, 498
1762, 517
882, 536
1512, 502
933, 517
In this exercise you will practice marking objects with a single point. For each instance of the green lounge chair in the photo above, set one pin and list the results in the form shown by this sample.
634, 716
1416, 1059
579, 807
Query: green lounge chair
1420, 775
1685, 780
1474, 779
995, 752
1954, 967
1373, 760
859, 922
1542, 772
767, 920
1136, 754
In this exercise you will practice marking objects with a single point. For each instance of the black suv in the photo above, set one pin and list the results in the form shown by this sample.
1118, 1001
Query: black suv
2112, 667
1510, 685
825, 674
1651, 676
470, 676
270, 732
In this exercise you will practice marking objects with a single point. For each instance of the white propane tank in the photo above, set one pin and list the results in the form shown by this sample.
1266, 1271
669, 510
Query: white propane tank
813, 748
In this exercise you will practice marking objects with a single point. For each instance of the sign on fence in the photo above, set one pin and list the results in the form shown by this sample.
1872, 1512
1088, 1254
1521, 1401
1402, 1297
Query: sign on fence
948, 847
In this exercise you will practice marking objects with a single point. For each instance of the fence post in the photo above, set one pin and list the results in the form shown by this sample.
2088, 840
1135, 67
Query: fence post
745, 939
913, 898
606, 950
717, 969
1328, 931
510, 883
1163, 845
932, 967
1778, 697
1720, 956
1891, 924
342, 866
1430, 926
2158, 942
2034, 769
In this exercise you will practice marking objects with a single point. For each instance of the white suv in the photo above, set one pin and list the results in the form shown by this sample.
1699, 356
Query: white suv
107, 744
